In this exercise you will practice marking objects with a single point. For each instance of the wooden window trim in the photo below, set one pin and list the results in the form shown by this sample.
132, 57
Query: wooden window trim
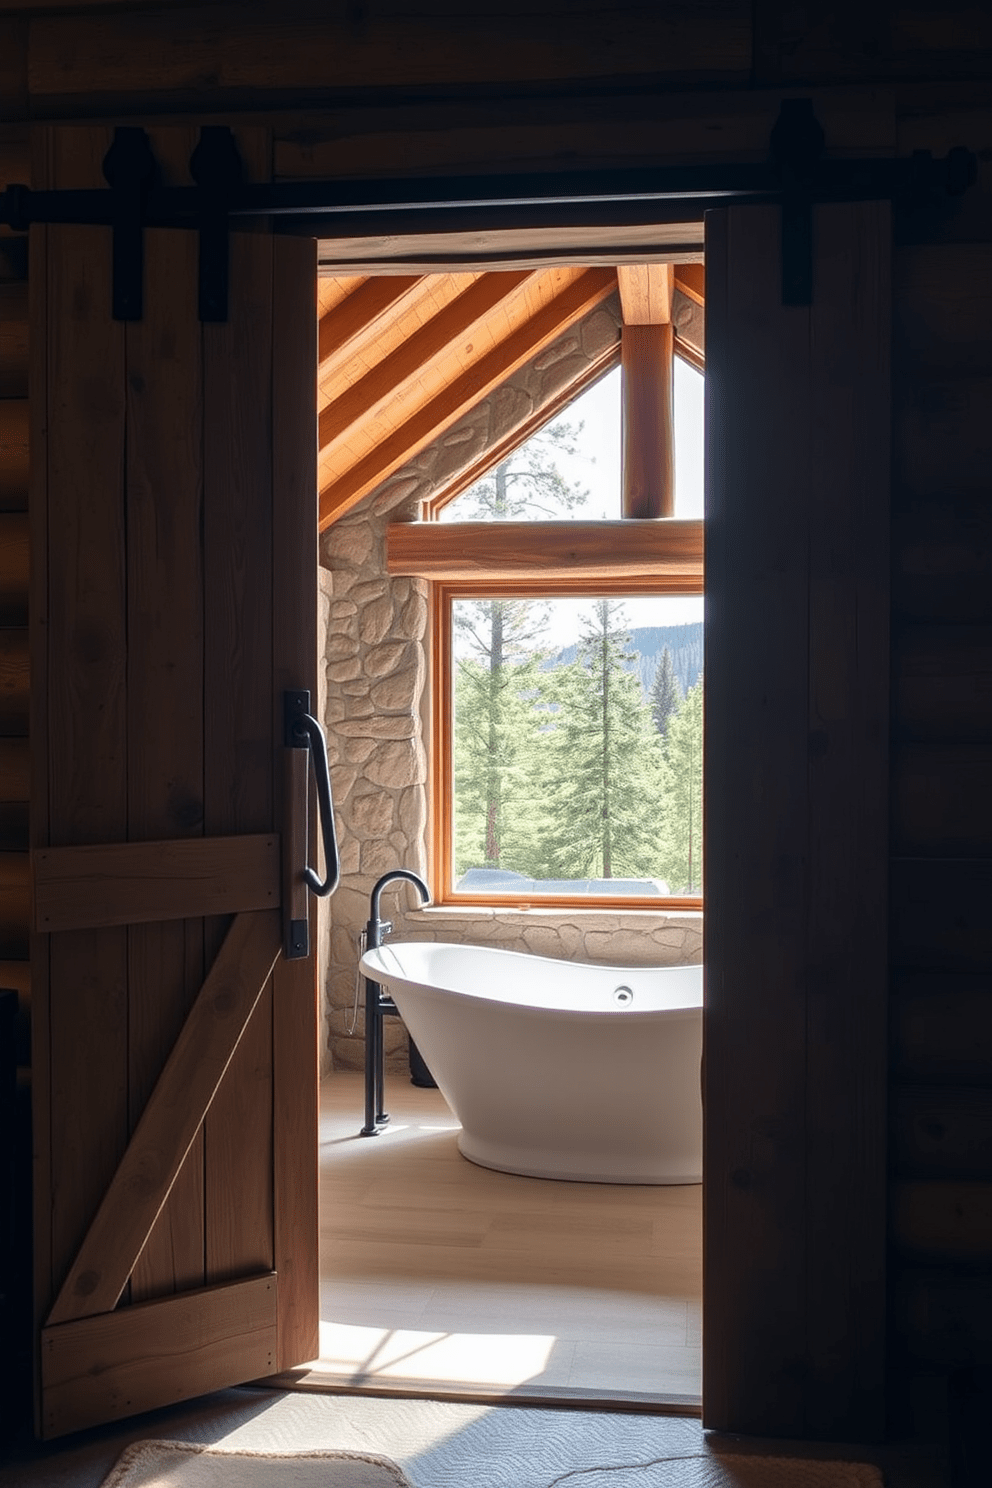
518, 436
607, 362
519, 544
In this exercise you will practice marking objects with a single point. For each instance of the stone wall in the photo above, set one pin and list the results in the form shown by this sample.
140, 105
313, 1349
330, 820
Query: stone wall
375, 659
606, 937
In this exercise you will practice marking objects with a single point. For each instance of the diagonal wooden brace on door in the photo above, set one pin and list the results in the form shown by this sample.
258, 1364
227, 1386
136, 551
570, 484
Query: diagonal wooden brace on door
173, 1116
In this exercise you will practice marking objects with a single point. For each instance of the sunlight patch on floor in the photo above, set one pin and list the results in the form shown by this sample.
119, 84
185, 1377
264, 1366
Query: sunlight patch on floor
367, 1354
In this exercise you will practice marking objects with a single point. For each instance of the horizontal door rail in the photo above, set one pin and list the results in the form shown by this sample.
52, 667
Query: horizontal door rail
795, 175
686, 189
133, 883
103, 1368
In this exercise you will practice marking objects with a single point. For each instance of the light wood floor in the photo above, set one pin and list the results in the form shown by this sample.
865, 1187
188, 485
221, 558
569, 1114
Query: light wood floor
443, 1278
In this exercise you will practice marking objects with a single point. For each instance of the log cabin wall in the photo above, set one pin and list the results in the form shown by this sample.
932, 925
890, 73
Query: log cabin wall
940, 1152
14, 785
15, 1094
512, 86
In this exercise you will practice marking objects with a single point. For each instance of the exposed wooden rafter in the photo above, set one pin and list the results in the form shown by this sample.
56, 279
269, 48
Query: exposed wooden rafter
402, 357
388, 379
356, 317
385, 410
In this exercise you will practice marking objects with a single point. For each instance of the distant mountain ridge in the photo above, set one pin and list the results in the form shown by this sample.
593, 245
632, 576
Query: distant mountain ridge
685, 642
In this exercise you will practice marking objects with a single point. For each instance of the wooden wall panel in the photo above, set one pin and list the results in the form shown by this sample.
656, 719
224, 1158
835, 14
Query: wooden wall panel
753, 1162
941, 1028
943, 437
14, 549
942, 683
943, 309
13, 454
87, 628
238, 716
846, 971
104, 1368
165, 682
14, 680
942, 1319
939, 915
941, 556
225, 59
942, 1132
14, 340
38, 284
797, 474
15, 166
15, 905
153, 617
941, 797
295, 990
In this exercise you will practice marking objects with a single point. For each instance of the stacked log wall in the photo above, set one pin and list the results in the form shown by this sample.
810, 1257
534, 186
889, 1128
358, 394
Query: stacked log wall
15, 791
14, 668
374, 93
940, 1016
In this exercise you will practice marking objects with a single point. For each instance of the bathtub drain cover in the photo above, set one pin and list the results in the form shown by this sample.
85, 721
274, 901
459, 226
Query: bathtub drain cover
623, 995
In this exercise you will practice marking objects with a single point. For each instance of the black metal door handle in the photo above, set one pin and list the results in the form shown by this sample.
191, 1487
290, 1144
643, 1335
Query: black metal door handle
304, 732
301, 731
308, 727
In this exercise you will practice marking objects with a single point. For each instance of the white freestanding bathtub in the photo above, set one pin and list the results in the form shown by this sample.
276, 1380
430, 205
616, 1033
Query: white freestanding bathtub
557, 1069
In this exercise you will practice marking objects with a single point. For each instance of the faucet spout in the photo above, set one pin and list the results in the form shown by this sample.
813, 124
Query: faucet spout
374, 929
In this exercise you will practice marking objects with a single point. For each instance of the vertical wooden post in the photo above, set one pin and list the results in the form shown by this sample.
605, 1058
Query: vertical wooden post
796, 833
646, 354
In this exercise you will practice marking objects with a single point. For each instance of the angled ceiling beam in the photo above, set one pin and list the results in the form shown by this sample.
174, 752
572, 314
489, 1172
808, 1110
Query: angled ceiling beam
354, 318
571, 305
383, 382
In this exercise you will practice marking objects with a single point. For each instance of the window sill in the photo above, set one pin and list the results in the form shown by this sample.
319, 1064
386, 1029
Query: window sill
488, 910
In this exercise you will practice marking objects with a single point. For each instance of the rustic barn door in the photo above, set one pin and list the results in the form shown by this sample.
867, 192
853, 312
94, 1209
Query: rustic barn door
173, 513
797, 666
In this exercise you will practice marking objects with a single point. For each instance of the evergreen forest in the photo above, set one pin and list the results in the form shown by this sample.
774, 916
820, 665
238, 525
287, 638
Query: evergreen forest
566, 767
576, 769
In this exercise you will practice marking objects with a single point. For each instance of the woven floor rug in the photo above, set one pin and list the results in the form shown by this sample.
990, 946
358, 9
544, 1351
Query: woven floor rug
165, 1464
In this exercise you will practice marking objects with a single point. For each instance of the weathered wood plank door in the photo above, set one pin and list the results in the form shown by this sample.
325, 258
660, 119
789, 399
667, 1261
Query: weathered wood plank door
797, 671
173, 511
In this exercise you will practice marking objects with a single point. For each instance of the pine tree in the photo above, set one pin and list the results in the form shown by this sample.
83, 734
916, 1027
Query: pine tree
607, 760
684, 818
496, 687
666, 693
527, 483
496, 672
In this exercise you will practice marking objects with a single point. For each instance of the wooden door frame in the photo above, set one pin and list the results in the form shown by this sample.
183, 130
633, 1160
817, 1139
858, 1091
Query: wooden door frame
831, 1394
728, 1365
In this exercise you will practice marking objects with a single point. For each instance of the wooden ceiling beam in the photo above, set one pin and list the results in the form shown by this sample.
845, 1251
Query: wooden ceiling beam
385, 381
578, 298
577, 552
355, 317
646, 293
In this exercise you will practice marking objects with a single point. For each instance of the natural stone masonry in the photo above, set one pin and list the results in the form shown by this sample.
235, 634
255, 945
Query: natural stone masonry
375, 667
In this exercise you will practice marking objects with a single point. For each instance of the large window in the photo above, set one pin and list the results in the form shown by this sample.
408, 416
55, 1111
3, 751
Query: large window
574, 746
567, 674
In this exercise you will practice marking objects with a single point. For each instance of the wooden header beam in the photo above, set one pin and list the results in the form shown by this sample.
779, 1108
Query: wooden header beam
646, 293
583, 552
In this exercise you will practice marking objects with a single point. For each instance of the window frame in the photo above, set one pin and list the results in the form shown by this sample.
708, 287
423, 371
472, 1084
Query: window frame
657, 575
